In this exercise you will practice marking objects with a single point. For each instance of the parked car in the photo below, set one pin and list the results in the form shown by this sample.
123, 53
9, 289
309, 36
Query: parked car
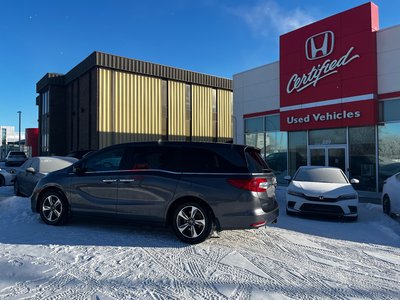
15, 158
390, 195
195, 188
36, 168
7, 176
323, 191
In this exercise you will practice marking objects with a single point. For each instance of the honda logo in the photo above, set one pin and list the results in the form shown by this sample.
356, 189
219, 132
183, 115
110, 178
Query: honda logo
320, 45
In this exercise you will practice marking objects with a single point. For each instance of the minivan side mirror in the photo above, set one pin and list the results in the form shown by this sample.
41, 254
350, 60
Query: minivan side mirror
288, 178
30, 170
354, 181
78, 169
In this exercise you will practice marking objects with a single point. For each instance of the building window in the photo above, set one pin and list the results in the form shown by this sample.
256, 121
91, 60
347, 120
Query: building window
254, 133
389, 151
362, 156
3, 136
276, 147
390, 111
45, 120
264, 133
327, 136
389, 141
297, 150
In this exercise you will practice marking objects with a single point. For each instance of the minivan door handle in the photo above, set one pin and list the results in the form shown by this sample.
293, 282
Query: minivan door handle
127, 180
109, 180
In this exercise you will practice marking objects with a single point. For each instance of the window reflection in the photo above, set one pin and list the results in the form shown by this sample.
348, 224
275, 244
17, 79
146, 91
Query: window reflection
363, 157
327, 136
264, 133
297, 150
389, 151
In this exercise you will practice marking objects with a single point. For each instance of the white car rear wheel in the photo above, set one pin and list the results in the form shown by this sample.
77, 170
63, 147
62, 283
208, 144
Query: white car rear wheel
386, 205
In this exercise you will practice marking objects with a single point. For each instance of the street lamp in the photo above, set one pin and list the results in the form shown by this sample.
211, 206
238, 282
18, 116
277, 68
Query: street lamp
19, 129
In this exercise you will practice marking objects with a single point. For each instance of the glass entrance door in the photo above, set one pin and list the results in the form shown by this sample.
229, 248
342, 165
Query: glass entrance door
337, 158
329, 155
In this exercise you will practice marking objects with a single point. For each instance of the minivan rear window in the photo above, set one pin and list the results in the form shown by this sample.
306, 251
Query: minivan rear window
254, 160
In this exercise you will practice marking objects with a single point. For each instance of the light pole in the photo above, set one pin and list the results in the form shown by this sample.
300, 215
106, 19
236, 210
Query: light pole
19, 129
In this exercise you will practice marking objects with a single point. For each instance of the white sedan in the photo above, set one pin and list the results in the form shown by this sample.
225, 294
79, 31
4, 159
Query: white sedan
321, 190
390, 195
7, 176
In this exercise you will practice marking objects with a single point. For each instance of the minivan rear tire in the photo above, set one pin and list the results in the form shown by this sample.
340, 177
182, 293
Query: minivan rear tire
192, 222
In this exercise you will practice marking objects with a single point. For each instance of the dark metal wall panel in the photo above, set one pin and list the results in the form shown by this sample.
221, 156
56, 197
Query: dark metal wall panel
57, 122
49, 79
83, 111
94, 96
118, 63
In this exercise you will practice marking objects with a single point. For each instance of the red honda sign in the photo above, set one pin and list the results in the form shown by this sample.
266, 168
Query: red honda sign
328, 72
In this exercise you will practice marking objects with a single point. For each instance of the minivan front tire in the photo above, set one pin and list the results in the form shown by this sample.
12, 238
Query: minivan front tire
192, 222
53, 208
16, 189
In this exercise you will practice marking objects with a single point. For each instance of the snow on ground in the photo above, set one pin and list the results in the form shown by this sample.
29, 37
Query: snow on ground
297, 258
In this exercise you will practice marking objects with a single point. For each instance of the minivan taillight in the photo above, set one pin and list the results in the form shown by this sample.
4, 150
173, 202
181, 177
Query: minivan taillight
250, 184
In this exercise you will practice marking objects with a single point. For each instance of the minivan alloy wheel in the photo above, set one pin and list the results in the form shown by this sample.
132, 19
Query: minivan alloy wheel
53, 208
192, 223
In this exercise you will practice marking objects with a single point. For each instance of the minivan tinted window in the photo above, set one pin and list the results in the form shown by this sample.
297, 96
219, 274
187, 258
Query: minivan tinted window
104, 161
155, 158
199, 160
254, 160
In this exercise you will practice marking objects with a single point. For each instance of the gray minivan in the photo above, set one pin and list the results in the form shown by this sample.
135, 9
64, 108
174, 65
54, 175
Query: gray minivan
194, 187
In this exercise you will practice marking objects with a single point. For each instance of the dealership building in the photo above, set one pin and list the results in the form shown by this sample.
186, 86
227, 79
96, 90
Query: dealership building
333, 98
108, 99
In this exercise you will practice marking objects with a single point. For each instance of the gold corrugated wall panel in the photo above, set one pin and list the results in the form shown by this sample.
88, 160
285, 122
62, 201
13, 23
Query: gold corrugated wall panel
225, 114
129, 108
202, 113
104, 105
147, 107
176, 111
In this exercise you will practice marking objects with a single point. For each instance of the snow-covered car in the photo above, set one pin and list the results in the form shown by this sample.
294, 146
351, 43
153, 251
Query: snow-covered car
7, 176
15, 158
36, 168
323, 191
390, 195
